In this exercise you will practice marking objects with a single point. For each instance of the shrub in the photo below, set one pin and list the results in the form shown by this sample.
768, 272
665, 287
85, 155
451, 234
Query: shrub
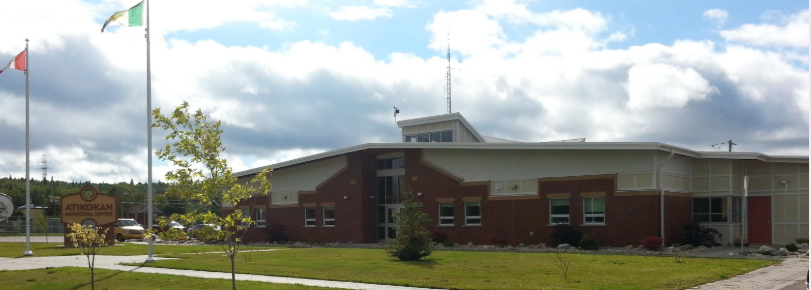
802, 241
448, 244
791, 247
438, 237
496, 241
276, 233
566, 234
413, 242
697, 235
589, 243
653, 243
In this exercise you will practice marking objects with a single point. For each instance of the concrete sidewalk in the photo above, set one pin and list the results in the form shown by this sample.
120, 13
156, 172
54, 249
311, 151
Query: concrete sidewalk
111, 263
780, 276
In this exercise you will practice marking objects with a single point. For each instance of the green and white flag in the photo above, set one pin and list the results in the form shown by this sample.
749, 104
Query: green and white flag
130, 17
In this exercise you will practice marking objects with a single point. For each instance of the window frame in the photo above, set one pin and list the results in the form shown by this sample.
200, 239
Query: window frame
725, 216
261, 217
328, 220
249, 212
446, 218
593, 215
469, 217
567, 215
309, 222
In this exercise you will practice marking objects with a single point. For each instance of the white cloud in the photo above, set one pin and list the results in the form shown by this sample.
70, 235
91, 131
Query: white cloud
794, 33
353, 13
395, 3
664, 86
719, 16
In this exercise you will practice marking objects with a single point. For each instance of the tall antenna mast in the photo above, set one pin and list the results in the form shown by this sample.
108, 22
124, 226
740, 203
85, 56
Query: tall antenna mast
44, 167
448, 75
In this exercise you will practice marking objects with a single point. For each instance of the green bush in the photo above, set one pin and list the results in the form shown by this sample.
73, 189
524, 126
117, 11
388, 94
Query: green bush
791, 247
448, 244
566, 234
697, 235
438, 237
413, 241
802, 240
589, 243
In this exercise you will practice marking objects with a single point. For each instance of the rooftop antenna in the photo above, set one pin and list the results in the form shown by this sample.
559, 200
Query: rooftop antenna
448, 74
44, 167
396, 111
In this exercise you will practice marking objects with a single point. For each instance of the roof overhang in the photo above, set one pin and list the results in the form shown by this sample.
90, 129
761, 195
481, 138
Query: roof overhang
645, 146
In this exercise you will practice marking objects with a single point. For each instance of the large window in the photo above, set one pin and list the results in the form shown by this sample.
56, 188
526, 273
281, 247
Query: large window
710, 210
246, 214
473, 213
439, 136
395, 163
559, 211
261, 219
389, 189
736, 209
446, 213
329, 216
594, 210
309, 216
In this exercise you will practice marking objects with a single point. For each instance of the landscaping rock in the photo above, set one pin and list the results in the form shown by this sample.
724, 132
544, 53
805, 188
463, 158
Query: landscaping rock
804, 246
470, 243
778, 253
564, 246
629, 247
669, 249
686, 247
542, 245
701, 248
783, 250
765, 249
521, 245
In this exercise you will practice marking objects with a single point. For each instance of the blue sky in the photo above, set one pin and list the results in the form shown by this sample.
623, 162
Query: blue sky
298, 77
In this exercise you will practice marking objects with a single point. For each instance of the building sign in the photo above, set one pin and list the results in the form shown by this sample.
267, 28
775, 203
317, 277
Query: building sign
90, 208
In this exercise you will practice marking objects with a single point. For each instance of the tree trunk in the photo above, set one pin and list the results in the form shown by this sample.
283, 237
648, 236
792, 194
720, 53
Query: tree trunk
92, 279
233, 274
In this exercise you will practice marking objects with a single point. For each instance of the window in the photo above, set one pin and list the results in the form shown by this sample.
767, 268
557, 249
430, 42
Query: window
558, 211
246, 214
329, 216
736, 209
710, 209
594, 210
309, 216
439, 136
261, 220
389, 189
473, 213
446, 213
395, 163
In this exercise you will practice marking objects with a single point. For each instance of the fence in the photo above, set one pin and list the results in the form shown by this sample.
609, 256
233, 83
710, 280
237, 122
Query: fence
16, 224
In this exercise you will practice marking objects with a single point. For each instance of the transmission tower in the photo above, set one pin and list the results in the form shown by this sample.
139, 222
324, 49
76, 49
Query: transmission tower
448, 74
44, 167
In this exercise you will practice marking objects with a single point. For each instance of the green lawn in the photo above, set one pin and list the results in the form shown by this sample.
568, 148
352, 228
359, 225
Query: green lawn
79, 278
16, 250
478, 270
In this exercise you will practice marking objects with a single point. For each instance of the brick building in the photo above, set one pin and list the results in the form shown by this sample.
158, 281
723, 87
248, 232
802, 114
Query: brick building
475, 187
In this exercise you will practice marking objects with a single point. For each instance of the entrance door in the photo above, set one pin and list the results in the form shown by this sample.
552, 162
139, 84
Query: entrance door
386, 223
759, 218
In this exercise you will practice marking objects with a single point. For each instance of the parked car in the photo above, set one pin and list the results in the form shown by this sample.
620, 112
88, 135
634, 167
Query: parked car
126, 229
172, 225
192, 231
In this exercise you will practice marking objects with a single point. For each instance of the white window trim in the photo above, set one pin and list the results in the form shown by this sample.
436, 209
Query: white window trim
468, 217
310, 219
567, 216
593, 214
261, 217
324, 212
441, 218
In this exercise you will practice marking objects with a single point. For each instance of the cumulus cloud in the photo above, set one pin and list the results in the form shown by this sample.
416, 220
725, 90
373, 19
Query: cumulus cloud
559, 81
395, 3
353, 13
719, 16
664, 86
793, 32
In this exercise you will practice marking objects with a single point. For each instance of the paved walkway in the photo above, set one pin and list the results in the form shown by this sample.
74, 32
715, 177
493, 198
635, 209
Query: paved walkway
780, 276
111, 263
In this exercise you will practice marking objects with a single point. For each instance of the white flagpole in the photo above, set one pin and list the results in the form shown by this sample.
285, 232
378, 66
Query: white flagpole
27, 165
149, 258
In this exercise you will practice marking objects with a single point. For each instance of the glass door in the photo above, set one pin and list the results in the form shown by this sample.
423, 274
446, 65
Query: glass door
386, 221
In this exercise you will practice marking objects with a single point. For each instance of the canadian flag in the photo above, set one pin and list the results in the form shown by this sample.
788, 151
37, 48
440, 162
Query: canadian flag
18, 62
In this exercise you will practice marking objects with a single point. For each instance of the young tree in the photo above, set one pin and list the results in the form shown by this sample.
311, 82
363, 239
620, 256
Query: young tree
90, 240
413, 241
203, 176
41, 223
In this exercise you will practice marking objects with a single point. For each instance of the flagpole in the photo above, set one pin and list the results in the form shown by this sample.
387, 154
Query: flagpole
27, 166
149, 258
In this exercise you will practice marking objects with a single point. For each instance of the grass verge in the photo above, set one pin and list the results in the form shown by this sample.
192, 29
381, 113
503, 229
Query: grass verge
78, 278
16, 250
477, 270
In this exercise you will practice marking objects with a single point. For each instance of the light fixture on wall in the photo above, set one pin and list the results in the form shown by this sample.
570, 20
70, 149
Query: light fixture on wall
346, 197
419, 193
371, 197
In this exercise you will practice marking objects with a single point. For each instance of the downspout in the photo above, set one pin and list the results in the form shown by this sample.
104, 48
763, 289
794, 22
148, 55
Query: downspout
662, 196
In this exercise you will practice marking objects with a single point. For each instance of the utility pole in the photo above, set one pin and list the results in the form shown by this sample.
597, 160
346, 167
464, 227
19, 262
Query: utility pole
730, 145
